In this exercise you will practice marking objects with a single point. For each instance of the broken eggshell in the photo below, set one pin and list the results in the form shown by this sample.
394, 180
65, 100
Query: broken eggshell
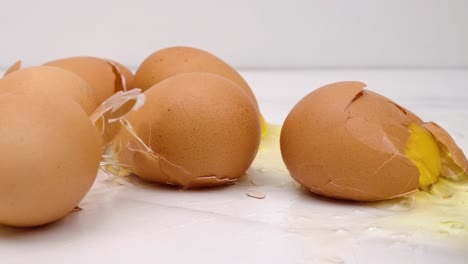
106, 77
345, 142
195, 130
455, 164
107, 117
16, 66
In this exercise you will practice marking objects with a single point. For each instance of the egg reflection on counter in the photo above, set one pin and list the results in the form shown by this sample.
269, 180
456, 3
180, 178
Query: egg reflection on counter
346, 142
50, 158
194, 130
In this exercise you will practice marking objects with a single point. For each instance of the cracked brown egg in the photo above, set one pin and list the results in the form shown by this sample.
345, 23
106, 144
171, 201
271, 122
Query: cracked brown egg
346, 142
49, 81
171, 61
106, 77
194, 130
49, 160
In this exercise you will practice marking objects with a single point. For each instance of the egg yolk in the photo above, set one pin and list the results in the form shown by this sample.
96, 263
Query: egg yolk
263, 126
423, 150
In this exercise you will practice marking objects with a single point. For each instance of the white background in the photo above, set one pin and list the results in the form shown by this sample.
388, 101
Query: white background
245, 33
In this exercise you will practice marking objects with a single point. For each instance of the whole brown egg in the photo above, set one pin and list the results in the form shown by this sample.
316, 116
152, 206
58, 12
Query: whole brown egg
49, 160
171, 61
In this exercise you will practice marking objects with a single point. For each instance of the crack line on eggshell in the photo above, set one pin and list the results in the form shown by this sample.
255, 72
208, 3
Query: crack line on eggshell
356, 97
408, 183
384, 164
330, 182
401, 108
148, 150
388, 141
372, 196
126, 124
350, 116
150, 132
402, 111
159, 157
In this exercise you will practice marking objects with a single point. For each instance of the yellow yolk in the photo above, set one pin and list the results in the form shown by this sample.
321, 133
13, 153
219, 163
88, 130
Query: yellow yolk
263, 126
423, 150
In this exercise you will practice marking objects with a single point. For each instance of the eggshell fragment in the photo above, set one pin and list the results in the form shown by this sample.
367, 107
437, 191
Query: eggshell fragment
50, 81
195, 130
104, 76
49, 160
345, 142
255, 194
13, 68
108, 115
448, 144
171, 61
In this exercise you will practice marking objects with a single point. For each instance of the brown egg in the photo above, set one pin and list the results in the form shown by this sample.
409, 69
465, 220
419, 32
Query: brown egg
49, 81
49, 159
195, 130
345, 142
171, 61
105, 76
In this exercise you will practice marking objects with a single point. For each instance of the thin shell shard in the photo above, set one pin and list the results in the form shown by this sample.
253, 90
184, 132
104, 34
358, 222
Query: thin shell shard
454, 162
16, 66
107, 117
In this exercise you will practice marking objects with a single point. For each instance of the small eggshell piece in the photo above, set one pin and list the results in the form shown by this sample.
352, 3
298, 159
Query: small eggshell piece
16, 66
444, 138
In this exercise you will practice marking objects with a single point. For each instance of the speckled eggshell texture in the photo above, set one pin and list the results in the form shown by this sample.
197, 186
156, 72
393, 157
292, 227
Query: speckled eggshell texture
194, 130
345, 142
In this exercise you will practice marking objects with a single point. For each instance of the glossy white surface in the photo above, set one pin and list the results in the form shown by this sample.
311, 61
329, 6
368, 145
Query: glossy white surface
133, 222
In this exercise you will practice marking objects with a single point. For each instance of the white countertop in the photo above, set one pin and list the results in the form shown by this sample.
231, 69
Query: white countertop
131, 222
